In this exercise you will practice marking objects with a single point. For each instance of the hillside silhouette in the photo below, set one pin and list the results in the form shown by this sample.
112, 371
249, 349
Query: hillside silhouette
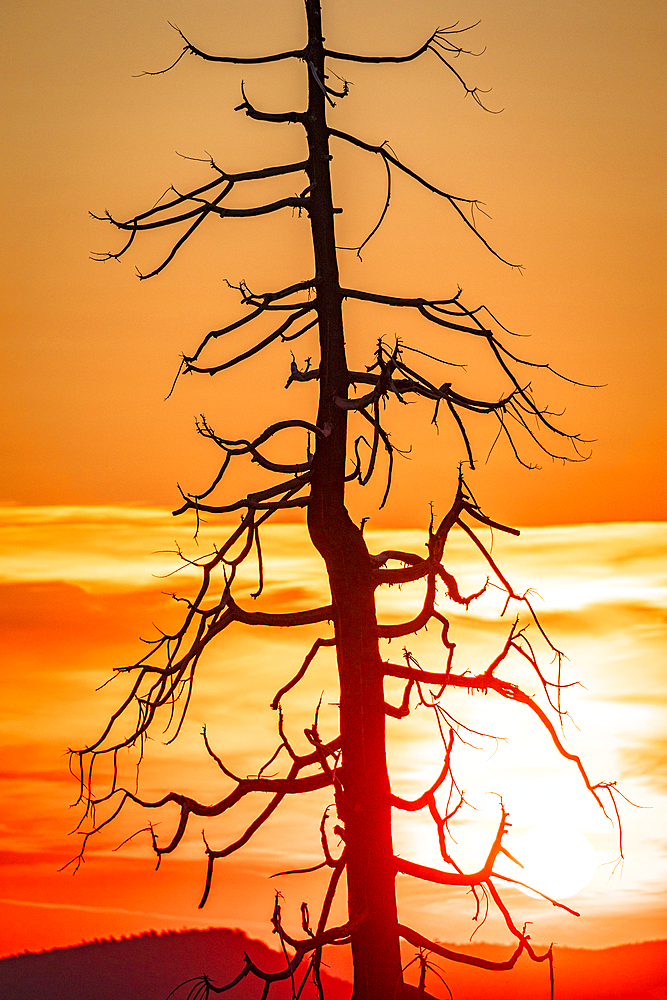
150, 966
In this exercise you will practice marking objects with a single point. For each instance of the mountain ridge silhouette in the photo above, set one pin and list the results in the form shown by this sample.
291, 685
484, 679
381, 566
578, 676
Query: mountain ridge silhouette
151, 965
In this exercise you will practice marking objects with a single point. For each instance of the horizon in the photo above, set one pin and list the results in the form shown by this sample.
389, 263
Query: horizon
172, 931
155, 961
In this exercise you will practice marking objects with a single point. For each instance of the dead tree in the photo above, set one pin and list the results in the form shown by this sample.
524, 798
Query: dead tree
354, 763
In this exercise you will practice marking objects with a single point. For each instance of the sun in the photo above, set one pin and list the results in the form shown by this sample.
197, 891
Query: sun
558, 861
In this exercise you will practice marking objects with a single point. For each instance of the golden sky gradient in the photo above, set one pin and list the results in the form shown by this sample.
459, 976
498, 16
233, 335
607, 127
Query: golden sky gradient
572, 173
80, 584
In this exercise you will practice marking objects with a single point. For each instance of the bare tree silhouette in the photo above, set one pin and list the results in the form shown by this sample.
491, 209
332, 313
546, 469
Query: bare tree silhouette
354, 763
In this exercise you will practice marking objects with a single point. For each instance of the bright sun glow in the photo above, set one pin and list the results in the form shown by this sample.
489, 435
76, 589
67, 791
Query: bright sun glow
557, 860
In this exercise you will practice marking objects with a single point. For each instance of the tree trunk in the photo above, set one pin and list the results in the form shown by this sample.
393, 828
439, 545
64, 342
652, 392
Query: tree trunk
364, 804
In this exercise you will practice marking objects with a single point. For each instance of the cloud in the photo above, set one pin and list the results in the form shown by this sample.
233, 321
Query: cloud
647, 761
105, 909
287, 599
640, 698
37, 612
78, 593
32, 858
602, 617
30, 775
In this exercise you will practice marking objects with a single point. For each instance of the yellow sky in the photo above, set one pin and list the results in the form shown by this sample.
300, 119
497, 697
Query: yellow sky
572, 173
77, 591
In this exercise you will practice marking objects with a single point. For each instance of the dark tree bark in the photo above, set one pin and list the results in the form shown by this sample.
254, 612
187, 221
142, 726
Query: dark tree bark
353, 764
364, 800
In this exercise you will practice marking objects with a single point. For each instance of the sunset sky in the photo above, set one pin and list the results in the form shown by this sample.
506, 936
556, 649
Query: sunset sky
572, 174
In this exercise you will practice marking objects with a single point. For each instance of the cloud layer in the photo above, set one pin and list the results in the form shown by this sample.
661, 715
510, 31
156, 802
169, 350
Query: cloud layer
79, 587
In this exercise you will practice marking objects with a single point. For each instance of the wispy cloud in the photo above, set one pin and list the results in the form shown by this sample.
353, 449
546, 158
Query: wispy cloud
79, 586
85, 908
648, 762
28, 774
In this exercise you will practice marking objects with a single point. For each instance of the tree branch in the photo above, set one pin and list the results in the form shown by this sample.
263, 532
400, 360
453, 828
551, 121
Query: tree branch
452, 199
190, 49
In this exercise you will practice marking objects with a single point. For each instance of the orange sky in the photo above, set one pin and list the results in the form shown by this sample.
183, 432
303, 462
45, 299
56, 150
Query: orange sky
78, 586
572, 172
